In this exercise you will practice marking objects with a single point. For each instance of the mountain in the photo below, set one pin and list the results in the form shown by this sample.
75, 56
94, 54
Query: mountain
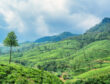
100, 31
103, 26
56, 38
84, 58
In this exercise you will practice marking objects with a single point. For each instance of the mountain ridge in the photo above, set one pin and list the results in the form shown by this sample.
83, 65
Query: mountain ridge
104, 25
75, 55
55, 38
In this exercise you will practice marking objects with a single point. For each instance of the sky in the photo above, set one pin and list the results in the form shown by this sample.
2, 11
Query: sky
32, 19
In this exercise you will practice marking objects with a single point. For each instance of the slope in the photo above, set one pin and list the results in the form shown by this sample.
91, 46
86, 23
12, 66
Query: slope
65, 55
56, 38
100, 31
17, 74
96, 76
74, 56
46, 54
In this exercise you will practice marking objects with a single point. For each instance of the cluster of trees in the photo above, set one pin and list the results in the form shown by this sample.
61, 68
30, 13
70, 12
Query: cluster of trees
58, 66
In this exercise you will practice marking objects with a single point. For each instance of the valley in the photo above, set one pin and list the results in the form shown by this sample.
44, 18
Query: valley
79, 59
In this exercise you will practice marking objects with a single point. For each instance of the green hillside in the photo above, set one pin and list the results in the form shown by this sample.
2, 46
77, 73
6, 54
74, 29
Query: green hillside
45, 54
70, 58
95, 76
16, 74
80, 59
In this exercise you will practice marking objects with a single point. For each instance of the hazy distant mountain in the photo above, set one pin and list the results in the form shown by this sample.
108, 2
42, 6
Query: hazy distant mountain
99, 32
56, 38
104, 26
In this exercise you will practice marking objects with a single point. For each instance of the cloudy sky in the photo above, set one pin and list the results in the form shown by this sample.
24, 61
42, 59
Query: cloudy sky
32, 19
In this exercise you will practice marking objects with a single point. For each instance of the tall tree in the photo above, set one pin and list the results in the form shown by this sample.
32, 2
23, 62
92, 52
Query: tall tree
11, 41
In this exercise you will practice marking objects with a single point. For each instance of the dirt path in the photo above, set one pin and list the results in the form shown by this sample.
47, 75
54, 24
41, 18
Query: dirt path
106, 61
61, 78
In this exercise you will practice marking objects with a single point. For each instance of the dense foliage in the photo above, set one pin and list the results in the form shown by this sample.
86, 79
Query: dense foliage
95, 76
16, 74
11, 40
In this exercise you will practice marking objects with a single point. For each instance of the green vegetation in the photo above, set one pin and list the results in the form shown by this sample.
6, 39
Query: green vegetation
57, 58
99, 76
11, 41
56, 38
17, 74
83, 59
47, 55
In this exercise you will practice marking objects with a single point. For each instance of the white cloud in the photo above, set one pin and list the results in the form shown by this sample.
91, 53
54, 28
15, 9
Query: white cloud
27, 16
89, 22
11, 17
80, 22
12, 11
86, 21
41, 27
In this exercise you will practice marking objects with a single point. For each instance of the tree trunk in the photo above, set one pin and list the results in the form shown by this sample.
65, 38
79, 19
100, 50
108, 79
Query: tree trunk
10, 54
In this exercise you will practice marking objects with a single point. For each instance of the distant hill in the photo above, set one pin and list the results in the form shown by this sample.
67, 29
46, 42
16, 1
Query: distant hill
84, 58
55, 38
100, 31
103, 26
